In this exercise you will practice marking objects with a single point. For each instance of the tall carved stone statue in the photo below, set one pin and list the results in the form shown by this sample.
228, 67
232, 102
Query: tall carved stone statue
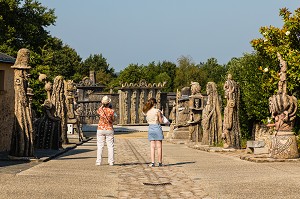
231, 126
211, 117
59, 102
70, 98
195, 110
282, 74
22, 135
283, 109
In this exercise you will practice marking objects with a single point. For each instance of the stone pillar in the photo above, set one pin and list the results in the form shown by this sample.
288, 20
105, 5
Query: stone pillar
121, 107
141, 105
133, 109
93, 77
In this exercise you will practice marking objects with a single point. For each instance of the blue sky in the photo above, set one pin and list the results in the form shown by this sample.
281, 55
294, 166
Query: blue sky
139, 32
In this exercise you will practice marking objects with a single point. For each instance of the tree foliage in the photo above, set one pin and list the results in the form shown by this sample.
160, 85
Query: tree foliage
211, 71
23, 25
186, 72
286, 41
131, 74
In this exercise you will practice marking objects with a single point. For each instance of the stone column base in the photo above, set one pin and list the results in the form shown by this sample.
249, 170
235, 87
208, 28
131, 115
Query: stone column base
284, 146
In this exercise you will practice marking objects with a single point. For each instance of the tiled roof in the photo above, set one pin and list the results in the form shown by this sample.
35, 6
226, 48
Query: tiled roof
4, 58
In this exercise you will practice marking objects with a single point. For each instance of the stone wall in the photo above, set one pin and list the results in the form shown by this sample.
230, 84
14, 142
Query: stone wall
132, 98
6, 106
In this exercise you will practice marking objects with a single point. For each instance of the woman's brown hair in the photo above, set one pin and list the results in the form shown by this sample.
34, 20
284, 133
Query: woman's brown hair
149, 104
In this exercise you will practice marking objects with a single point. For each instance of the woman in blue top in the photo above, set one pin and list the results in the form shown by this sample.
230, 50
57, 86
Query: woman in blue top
155, 133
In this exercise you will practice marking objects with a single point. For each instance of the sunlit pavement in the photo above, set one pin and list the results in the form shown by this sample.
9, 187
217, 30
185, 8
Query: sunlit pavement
187, 173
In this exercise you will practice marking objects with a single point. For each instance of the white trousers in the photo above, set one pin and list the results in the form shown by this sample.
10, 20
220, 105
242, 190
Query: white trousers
103, 136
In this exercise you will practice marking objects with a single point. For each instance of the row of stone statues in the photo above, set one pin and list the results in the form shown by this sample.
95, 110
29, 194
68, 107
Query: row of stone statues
204, 121
202, 115
49, 131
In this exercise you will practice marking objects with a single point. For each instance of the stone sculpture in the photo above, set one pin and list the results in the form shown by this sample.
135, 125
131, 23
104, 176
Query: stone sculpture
282, 74
195, 88
195, 110
231, 126
48, 85
211, 117
48, 128
22, 135
283, 109
70, 97
59, 102
180, 128
173, 113
78, 125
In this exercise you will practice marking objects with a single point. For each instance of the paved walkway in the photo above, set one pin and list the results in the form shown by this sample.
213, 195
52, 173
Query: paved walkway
188, 173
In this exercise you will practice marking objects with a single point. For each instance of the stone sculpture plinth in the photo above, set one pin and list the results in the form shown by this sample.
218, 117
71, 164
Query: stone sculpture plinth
284, 145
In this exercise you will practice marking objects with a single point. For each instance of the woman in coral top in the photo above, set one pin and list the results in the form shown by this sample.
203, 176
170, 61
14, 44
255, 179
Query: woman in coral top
105, 131
155, 133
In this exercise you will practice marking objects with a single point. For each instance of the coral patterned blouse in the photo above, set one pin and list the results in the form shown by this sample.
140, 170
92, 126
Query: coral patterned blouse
105, 124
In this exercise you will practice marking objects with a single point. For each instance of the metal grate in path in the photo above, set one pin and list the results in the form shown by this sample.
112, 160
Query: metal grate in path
157, 184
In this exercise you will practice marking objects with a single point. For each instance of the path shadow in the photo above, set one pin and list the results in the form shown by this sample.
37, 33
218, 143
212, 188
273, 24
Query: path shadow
4, 163
128, 164
74, 152
146, 163
78, 158
180, 163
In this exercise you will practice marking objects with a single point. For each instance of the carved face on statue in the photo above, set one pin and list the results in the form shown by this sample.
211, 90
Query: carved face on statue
195, 88
47, 104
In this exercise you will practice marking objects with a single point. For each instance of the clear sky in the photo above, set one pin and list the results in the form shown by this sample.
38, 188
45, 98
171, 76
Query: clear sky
140, 31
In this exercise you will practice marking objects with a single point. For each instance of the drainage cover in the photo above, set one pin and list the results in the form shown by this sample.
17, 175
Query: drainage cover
157, 184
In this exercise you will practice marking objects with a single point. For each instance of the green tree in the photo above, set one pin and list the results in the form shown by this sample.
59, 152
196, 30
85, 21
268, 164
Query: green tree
186, 72
211, 71
65, 61
153, 73
97, 63
286, 41
23, 25
170, 69
131, 74
164, 77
